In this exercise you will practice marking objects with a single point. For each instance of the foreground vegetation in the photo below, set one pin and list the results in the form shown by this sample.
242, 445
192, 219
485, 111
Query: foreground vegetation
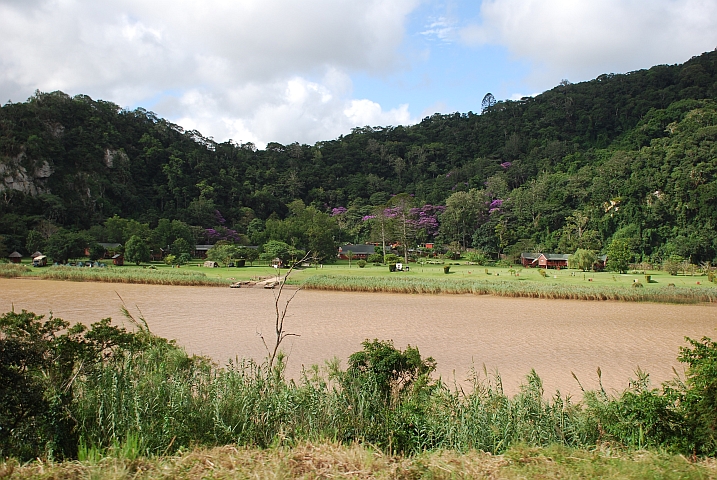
85, 393
333, 460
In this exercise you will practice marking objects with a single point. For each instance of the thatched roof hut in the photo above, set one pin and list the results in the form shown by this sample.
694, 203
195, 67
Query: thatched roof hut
15, 257
36, 254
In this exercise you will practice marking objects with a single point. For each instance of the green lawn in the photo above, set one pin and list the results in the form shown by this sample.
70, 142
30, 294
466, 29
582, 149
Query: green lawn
459, 270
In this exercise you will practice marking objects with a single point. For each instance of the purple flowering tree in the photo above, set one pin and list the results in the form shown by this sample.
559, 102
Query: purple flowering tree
223, 233
339, 214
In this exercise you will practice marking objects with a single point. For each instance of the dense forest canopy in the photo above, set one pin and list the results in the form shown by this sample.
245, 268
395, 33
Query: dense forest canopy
629, 156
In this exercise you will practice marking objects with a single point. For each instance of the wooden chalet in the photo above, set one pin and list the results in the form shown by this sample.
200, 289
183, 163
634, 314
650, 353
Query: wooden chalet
544, 260
15, 257
118, 259
360, 252
552, 260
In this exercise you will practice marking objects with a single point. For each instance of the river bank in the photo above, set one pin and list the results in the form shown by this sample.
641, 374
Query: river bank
657, 287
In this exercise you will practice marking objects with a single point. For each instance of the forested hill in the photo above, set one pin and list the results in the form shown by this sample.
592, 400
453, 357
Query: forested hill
628, 156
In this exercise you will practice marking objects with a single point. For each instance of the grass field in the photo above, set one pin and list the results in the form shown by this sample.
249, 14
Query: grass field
421, 278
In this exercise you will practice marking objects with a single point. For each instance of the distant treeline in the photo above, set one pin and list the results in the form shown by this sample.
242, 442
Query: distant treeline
624, 156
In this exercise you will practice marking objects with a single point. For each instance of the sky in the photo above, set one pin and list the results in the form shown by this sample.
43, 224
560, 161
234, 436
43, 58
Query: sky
305, 71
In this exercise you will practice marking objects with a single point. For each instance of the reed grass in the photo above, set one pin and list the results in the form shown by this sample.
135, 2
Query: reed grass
170, 401
683, 295
130, 275
13, 270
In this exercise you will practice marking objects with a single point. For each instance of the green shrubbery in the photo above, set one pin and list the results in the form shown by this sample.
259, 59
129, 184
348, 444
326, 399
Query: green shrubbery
66, 390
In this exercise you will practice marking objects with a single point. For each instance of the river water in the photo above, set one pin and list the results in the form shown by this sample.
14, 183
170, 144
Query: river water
508, 335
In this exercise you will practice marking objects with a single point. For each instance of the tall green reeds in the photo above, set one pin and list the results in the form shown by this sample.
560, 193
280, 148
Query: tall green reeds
509, 289
168, 401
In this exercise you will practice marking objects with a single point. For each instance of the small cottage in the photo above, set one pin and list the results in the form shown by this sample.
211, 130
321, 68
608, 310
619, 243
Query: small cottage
360, 252
527, 259
552, 260
118, 259
15, 257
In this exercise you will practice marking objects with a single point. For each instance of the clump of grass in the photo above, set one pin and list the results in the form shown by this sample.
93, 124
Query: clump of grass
12, 270
509, 289
128, 275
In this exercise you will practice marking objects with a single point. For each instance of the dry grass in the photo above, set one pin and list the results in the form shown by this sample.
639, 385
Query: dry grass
331, 460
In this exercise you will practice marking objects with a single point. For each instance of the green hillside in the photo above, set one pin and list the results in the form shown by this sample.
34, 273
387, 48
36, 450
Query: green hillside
624, 156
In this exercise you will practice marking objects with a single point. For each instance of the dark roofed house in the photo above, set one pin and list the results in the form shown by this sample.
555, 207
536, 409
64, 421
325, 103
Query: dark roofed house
118, 259
360, 252
15, 257
200, 251
527, 259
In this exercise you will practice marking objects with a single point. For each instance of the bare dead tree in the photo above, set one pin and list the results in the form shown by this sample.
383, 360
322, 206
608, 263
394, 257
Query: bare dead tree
281, 310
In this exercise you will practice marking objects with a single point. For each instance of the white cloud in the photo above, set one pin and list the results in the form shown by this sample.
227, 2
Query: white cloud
519, 96
580, 39
285, 111
229, 67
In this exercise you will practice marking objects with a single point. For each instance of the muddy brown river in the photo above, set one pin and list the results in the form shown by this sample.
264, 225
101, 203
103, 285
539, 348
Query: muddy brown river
511, 336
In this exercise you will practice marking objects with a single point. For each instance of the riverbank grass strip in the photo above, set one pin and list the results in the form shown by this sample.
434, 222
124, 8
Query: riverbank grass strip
330, 460
509, 289
138, 275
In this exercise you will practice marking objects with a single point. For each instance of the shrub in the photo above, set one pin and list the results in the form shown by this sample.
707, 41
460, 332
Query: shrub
361, 263
542, 272
697, 396
638, 284
477, 258
672, 264
392, 258
391, 267
375, 258
446, 269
